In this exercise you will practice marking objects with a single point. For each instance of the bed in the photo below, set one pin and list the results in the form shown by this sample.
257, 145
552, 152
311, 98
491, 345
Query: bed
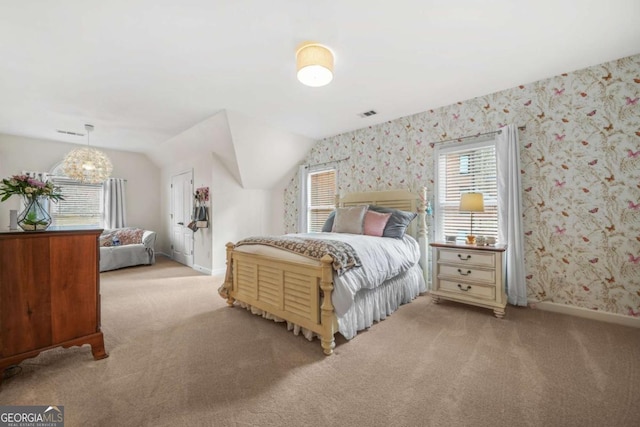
283, 286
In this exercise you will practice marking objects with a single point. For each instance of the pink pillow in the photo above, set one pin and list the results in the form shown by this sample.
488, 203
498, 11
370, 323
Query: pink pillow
374, 223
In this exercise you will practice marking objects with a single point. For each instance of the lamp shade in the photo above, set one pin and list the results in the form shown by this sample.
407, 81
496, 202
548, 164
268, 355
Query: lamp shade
87, 164
471, 202
314, 63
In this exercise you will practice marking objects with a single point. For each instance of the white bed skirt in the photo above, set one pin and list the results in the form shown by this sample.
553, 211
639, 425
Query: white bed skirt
370, 305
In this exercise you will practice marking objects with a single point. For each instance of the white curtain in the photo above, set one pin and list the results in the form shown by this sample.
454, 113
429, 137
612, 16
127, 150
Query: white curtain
115, 210
303, 176
510, 230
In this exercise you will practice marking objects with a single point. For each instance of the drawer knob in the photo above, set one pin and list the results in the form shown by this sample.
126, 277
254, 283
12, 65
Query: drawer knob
468, 288
463, 273
464, 259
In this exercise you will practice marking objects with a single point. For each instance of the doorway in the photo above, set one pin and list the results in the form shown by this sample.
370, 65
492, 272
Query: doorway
181, 211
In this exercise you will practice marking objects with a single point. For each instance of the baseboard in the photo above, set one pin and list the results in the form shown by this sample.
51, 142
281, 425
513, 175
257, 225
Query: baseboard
586, 313
218, 271
201, 269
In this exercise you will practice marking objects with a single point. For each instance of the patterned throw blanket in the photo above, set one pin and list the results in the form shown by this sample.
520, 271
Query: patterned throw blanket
343, 254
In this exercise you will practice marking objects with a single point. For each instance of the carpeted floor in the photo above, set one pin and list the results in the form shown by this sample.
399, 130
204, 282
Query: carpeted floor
180, 357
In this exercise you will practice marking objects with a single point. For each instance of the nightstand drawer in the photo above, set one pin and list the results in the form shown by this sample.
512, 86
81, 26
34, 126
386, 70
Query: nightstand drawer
462, 288
470, 275
464, 257
461, 272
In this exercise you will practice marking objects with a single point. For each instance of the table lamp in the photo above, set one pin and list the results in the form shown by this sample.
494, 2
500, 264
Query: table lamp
471, 202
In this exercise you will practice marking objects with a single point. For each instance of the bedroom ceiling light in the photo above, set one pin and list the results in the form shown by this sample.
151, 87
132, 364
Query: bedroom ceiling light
314, 63
471, 202
87, 164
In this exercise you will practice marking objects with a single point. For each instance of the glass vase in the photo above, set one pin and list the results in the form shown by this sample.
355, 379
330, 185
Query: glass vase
35, 216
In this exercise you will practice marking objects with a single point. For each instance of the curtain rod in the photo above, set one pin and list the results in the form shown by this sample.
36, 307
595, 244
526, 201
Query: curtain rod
332, 161
499, 131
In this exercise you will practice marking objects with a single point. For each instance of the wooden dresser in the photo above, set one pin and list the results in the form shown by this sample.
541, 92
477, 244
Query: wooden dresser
470, 274
49, 293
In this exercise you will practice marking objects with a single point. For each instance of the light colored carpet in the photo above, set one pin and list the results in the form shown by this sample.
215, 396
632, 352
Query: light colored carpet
180, 357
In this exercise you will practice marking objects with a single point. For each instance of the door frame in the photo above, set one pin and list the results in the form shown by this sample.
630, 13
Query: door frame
190, 172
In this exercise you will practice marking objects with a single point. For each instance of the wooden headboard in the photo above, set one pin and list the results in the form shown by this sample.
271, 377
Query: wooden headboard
403, 200
397, 199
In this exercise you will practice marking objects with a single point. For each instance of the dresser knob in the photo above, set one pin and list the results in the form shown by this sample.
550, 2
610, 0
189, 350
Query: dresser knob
463, 273
464, 259
463, 289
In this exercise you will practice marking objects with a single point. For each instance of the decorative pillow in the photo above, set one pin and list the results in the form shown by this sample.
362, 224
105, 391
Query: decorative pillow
349, 220
130, 236
328, 224
106, 238
127, 236
398, 222
374, 223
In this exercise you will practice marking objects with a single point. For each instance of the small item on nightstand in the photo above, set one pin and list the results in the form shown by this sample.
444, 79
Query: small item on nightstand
450, 239
471, 240
481, 240
490, 241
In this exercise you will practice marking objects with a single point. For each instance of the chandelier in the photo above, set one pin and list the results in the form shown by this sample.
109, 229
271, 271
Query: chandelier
314, 63
87, 164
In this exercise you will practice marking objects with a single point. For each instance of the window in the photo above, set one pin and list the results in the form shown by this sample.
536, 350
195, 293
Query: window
82, 205
321, 198
464, 168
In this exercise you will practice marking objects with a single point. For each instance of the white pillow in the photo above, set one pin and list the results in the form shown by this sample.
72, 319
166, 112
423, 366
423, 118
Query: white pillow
349, 220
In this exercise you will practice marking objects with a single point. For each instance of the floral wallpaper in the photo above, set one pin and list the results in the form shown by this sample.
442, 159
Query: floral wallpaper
580, 158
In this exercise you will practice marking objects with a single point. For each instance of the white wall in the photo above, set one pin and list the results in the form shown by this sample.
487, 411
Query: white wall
234, 212
277, 225
143, 192
200, 165
237, 212
246, 192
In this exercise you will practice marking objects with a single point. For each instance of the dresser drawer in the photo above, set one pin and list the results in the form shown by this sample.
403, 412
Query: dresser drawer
462, 272
472, 290
464, 257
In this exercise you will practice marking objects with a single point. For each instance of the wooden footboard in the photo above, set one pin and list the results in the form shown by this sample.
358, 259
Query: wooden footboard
295, 292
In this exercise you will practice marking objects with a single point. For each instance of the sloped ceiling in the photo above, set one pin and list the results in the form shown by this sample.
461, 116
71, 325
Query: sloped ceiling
256, 155
264, 153
145, 71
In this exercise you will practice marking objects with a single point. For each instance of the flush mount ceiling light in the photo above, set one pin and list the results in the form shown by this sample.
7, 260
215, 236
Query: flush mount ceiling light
314, 63
87, 164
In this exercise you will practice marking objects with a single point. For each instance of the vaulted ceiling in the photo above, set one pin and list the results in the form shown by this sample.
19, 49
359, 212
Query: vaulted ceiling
145, 71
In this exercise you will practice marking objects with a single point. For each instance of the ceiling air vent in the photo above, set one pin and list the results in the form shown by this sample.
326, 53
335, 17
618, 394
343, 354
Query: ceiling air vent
368, 113
68, 132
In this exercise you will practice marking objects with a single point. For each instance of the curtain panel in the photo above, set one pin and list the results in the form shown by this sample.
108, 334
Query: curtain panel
510, 228
115, 212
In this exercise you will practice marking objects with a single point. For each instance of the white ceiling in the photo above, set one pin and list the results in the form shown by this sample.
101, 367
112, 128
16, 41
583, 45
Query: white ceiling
144, 71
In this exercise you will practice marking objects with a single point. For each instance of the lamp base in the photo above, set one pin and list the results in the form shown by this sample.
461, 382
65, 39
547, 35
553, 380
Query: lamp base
471, 239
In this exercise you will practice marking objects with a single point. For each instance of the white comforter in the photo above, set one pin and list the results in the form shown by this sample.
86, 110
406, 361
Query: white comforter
382, 258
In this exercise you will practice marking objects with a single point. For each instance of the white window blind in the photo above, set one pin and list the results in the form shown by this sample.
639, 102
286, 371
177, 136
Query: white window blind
82, 204
466, 168
321, 198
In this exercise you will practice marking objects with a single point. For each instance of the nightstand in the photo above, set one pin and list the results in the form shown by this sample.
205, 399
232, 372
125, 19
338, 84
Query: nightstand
470, 274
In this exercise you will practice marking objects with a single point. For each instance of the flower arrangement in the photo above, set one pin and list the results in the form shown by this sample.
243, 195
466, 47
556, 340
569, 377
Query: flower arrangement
202, 194
28, 187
